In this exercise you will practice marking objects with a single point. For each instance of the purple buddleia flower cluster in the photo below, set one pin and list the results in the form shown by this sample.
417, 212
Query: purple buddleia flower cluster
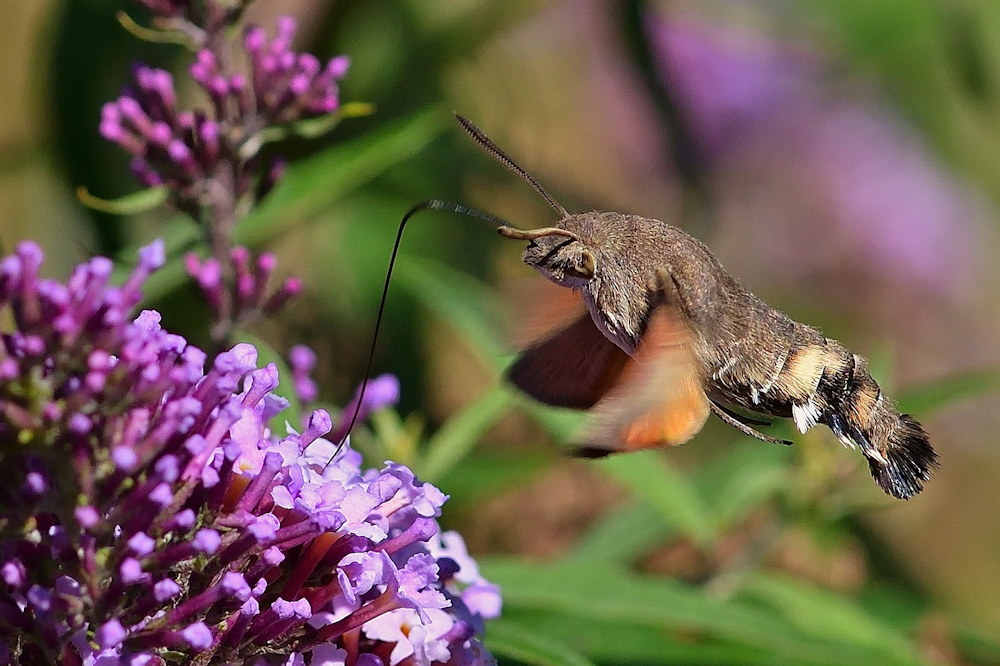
251, 277
286, 85
151, 514
207, 160
197, 152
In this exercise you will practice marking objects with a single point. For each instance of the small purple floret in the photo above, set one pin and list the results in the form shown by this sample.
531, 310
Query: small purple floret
166, 589
198, 636
207, 541
141, 544
110, 634
130, 570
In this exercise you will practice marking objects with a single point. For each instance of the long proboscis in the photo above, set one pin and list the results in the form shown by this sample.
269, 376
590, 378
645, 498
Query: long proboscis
432, 204
535, 234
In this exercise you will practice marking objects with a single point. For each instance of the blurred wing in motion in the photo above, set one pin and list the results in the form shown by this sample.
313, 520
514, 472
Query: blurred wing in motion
659, 399
571, 363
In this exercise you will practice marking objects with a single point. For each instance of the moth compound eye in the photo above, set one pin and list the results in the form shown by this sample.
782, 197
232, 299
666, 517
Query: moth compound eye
585, 267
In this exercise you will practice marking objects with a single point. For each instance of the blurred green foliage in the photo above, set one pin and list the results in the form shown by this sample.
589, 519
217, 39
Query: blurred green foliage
726, 503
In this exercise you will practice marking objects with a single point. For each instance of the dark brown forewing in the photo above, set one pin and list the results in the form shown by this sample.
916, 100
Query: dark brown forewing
659, 399
571, 364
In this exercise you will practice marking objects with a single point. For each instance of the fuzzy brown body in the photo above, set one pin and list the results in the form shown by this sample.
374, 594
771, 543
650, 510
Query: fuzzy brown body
688, 338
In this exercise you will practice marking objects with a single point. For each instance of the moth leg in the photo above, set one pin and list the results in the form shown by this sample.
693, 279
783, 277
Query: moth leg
743, 418
724, 415
671, 295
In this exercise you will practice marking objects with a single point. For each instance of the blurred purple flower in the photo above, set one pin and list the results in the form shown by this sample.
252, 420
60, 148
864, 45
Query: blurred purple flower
186, 149
376, 394
287, 85
151, 509
845, 185
249, 295
177, 148
302, 360
207, 159
729, 82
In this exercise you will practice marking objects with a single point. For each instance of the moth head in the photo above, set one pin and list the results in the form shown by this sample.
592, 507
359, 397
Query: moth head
558, 254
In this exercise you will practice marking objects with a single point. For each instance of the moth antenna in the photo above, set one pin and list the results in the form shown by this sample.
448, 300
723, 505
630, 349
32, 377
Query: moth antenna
504, 159
433, 204
533, 234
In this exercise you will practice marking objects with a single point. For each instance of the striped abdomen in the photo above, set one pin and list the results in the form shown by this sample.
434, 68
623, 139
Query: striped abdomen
817, 380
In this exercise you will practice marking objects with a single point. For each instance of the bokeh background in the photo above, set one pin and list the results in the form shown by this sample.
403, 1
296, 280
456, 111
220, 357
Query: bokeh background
842, 157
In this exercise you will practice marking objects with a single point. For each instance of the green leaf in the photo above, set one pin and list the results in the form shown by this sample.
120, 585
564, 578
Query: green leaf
509, 639
665, 489
735, 484
646, 473
461, 300
309, 128
460, 433
634, 644
622, 534
488, 472
130, 204
605, 594
977, 647
310, 186
939, 394
830, 617
560, 423
178, 37
390, 437
317, 182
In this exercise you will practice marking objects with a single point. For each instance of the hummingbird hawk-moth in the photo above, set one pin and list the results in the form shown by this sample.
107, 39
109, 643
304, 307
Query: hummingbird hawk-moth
663, 335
